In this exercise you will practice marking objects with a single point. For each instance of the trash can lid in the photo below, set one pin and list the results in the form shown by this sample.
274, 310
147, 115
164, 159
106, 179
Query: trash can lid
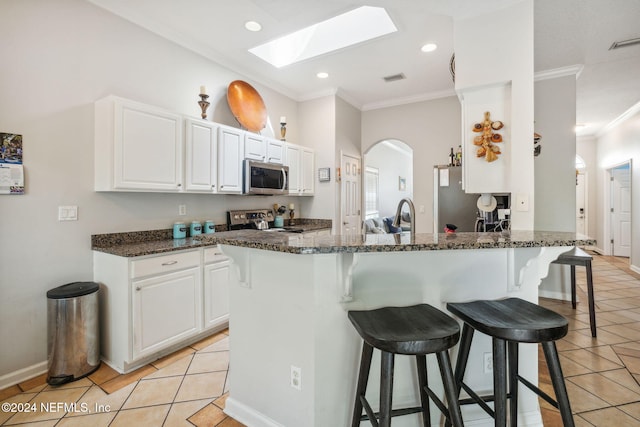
75, 289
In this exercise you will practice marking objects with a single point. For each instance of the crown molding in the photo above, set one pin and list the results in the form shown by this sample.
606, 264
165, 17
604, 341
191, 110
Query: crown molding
408, 100
635, 109
559, 72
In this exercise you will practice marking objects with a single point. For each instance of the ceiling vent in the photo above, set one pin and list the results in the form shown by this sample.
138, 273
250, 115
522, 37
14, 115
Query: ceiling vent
394, 77
625, 43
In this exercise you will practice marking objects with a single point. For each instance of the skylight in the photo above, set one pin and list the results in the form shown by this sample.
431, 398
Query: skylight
356, 26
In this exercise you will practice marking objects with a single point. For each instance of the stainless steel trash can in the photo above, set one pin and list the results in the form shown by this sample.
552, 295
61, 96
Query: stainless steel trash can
73, 334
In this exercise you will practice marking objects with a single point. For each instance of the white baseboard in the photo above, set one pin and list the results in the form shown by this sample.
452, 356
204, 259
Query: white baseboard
634, 268
23, 374
246, 415
597, 250
554, 295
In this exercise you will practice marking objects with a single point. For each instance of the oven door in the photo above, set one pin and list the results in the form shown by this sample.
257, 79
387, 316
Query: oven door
265, 178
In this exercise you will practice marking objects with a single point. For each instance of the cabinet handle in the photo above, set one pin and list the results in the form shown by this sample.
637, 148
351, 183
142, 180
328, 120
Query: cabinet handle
170, 263
138, 288
179, 185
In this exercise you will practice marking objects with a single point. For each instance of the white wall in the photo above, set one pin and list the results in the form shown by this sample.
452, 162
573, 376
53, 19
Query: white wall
614, 147
555, 177
430, 128
60, 56
391, 163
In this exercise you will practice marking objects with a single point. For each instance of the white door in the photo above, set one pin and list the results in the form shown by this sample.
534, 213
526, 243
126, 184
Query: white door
216, 294
350, 201
621, 211
581, 203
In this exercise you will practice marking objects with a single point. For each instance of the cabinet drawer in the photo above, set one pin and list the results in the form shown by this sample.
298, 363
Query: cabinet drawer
214, 254
164, 263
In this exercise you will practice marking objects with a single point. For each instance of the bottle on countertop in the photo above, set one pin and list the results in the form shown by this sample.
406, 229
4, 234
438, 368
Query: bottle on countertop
459, 156
452, 158
209, 227
196, 228
179, 230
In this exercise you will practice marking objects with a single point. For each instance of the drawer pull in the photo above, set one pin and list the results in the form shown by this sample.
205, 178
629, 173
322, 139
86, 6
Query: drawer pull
170, 263
138, 288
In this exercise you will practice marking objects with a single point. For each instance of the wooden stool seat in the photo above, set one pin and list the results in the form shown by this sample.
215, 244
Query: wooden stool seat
578, 257
417, 331
509, 322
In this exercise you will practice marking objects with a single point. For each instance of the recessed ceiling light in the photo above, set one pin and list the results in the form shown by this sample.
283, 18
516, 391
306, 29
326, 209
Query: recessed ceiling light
356, 26
429, 47
252, 26
322, 75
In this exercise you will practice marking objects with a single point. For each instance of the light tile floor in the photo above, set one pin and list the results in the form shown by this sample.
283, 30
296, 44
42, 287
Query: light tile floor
189, 387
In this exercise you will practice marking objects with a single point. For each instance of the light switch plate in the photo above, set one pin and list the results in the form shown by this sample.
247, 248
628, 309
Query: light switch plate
67, 213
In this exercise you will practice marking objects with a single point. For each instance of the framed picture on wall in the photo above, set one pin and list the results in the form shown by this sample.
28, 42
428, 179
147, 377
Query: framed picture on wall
402, 183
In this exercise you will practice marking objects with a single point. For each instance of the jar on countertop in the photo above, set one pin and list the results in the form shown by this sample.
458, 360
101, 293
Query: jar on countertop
209, 227
196, 228
179, 230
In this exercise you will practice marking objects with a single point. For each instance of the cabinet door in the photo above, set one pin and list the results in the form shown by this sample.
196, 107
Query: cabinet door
147, 148
275, 151
216, 294
254, 147
307, 175
292, 159
201, 157
166, 309
230, 155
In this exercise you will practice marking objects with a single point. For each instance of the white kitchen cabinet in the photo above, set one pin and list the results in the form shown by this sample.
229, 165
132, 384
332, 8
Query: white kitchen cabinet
165, 310
301, 162
307, 175
138, 147
255, 147
275, 151
150, 305
201, 159
230, 155
216, 288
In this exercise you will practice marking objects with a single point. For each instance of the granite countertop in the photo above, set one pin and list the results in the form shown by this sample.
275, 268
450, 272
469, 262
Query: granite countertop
280, 242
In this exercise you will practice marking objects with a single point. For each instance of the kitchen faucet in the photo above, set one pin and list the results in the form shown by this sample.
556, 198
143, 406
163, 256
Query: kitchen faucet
412, 214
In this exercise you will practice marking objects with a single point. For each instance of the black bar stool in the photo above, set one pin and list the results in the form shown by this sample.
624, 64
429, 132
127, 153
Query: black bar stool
416, 330
509, 322
574, 257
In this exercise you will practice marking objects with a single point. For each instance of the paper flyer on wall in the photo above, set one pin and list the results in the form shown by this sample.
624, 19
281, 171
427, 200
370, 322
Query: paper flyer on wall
11, 169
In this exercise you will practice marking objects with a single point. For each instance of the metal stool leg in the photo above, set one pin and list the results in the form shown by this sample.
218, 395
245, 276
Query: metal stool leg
592, 304
555, 371
500, 381
573, 286
421, 363
512, 348
386, 388
361, 388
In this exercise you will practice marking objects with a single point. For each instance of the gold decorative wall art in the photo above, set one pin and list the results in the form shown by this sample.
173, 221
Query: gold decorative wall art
486, 141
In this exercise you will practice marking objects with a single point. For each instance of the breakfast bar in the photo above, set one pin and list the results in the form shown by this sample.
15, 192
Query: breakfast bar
293, 352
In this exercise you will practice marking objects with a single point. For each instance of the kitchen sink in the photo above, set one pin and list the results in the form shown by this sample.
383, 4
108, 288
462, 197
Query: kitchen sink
284, 230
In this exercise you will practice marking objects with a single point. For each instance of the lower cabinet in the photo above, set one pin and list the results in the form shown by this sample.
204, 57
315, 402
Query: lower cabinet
216, 288
165, 310
152, 305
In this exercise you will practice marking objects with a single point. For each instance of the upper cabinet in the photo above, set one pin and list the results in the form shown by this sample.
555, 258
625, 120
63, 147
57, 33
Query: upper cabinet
275, 151
254, 147
230, 155
301, 162
201, 160
137, 147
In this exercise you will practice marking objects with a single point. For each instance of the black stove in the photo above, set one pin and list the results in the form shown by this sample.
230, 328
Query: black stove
246, 219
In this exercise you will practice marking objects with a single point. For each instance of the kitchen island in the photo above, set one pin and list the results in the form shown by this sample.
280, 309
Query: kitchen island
289, 314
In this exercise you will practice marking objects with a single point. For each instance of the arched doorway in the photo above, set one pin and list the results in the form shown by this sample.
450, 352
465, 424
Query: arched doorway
388, 177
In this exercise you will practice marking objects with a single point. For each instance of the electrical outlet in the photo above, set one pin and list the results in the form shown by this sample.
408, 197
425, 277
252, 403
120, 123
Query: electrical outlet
487, 363
296, 377
182, 209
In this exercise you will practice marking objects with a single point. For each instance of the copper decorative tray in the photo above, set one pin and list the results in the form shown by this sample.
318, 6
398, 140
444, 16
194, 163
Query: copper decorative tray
247, 105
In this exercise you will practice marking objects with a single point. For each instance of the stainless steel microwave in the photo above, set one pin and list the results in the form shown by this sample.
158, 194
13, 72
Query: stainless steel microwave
265, 178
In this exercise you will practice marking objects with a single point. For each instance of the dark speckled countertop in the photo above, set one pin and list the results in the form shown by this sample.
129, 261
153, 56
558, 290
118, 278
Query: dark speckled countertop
281, 242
